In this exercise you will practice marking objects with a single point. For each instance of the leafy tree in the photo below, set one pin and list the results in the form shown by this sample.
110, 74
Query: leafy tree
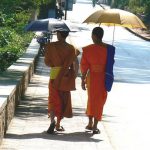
14, 14
11, 6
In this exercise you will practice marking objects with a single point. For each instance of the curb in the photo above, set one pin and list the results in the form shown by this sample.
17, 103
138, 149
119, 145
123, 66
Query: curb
136, 34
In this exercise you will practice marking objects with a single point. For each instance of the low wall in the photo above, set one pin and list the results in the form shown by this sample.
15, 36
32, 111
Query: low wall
13, 84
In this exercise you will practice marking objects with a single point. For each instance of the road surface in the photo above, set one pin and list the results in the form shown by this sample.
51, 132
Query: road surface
126, 113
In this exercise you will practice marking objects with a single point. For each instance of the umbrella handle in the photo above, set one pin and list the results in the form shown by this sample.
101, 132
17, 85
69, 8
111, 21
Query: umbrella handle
113, 35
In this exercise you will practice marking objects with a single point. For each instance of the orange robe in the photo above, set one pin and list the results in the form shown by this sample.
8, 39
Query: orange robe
61, 55
93, 62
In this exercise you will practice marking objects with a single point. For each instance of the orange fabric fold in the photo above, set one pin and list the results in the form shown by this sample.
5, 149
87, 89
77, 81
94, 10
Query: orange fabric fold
59, 102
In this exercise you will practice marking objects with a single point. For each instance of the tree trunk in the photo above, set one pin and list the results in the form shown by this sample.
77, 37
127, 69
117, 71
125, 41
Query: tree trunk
33, 15
112, 4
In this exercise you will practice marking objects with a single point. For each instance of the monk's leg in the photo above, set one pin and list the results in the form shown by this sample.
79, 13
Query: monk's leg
95, 129
95, 124
52, 116
51, 108
58, 123
58, 127
90, 123
60, 112
52, 123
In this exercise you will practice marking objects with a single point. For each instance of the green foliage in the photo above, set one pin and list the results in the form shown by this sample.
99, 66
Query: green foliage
6, 59
135, 6
19, 5
6, 37
14, 15
147, 8
21, 19
138, 10
13, 51
12, 45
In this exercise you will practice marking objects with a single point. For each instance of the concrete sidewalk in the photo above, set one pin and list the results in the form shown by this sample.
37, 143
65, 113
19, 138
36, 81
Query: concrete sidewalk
27, 130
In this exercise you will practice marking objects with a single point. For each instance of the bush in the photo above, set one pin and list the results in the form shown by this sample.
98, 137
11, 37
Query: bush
5, 37
12, 46
13, 38
6, 59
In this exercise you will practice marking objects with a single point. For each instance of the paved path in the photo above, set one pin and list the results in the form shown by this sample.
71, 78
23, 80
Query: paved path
27, 129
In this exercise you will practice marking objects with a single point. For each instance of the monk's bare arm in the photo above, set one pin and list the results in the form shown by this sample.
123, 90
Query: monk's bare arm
84, 66
83, 81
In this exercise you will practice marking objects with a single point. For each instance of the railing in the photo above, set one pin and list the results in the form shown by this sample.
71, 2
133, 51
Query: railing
13, 83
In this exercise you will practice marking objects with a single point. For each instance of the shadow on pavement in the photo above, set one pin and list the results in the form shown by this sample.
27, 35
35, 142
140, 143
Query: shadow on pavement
75, 136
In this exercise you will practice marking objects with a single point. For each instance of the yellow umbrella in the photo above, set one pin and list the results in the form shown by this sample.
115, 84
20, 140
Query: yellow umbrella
115, 17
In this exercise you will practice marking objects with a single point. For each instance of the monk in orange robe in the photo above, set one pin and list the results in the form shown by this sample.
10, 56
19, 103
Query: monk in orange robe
93, 66
59, 56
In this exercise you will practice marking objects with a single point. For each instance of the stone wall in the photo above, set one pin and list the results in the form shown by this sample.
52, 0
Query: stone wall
13, 83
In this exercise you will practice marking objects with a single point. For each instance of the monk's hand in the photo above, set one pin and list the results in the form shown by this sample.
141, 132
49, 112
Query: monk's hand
83, 81
83, 85
56, 83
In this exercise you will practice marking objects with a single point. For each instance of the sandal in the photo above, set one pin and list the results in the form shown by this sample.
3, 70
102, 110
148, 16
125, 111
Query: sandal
60, 129
51, 128
88, 127
96, 131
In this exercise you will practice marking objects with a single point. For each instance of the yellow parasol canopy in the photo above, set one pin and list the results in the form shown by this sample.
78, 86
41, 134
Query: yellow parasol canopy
117, 17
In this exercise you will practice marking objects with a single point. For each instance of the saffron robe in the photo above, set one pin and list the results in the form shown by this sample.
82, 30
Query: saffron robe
62, 55
93, 62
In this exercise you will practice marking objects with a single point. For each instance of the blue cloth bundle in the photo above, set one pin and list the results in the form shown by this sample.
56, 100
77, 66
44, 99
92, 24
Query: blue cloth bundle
109, 76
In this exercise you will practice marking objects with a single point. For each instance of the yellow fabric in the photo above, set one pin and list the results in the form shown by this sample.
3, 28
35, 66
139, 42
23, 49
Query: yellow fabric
117, 17
54, 72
